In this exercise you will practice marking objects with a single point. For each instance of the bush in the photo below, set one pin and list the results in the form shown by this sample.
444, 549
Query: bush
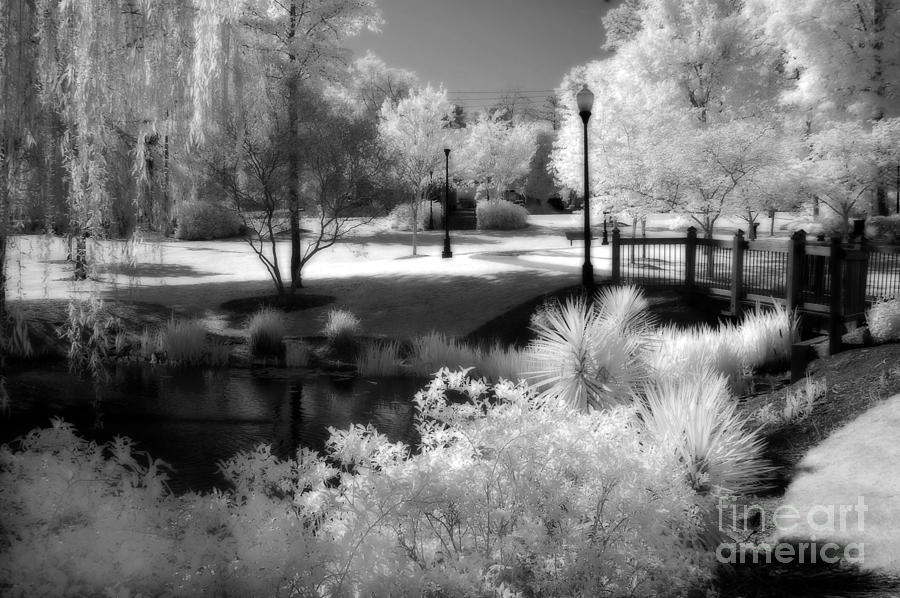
500, 215
266, 329
883, 228
202, 221
401, 217
507, 496
695, 419
884, 320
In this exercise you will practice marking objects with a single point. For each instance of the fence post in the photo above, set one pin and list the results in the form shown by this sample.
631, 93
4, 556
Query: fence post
690, 257
835, 317
737, 272
796, 261
616, 247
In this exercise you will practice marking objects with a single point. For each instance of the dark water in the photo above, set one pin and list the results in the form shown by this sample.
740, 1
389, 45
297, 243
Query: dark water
194, 418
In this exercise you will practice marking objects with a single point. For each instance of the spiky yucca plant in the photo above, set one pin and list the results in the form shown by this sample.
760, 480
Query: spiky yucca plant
695, 418
583, 358
625, 308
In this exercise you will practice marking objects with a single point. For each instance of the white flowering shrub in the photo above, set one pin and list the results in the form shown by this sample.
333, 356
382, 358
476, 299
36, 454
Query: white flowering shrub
508, 496
884, 320
500, 214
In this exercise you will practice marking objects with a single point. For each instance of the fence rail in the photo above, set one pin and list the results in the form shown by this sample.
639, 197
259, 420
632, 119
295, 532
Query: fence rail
826, 277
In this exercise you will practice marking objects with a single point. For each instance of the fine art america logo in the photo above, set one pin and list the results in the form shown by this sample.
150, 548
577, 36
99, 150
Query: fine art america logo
820, 524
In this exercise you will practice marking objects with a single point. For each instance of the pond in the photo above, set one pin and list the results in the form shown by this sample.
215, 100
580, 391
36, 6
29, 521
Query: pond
194, 418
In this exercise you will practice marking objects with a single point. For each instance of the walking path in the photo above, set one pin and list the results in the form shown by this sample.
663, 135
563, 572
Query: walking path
847, 491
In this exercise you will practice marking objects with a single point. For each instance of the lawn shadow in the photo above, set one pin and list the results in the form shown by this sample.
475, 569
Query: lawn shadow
804, 575
146, 270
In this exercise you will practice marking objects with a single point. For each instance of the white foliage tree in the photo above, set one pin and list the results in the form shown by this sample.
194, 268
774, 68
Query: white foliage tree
498, 151
414, 132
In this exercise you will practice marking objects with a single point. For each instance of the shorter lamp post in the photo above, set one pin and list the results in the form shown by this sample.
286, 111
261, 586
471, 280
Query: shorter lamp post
430, 201
585, 101
605, 237
447, 253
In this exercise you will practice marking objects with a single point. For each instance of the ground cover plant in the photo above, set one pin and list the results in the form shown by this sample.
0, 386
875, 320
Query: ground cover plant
507, 495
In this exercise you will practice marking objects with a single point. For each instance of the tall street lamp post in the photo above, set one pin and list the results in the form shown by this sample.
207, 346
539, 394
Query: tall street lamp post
585, 101
447, 253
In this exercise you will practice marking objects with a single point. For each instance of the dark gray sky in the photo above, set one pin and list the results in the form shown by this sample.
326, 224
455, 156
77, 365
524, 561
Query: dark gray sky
488, 45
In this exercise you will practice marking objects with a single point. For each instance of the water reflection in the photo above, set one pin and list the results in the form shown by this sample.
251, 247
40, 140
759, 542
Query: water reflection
195, 418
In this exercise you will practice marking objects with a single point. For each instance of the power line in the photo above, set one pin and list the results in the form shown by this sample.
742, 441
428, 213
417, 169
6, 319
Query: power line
505, 92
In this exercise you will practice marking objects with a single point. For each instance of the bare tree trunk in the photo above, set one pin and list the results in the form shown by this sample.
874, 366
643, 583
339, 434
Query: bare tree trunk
294, 176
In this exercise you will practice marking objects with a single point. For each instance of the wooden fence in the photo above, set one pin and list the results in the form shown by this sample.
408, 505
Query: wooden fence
836, 280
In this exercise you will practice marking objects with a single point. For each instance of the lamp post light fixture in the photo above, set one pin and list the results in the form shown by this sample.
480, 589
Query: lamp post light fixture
585, 100
430, 201
605, 237
447, 253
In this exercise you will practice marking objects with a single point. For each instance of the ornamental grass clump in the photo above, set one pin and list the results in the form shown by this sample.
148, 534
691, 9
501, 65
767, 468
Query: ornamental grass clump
497, 363
884, 320
766, 336
678, 352
183, 342
435, 350
695, 418
266, 329
341, 326
380, 358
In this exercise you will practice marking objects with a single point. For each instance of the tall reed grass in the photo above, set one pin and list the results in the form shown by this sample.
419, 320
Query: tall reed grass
380, 358
266, 328
183, 341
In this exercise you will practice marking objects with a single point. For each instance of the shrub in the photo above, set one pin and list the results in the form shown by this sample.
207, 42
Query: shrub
380, 358
183, 342
401, 217
883, 228
884, 320
584, 358
695, 419
507, 496
202, 220
500, 214
266, 328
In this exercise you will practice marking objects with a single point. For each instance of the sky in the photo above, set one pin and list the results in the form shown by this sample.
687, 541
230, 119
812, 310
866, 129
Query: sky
487, 45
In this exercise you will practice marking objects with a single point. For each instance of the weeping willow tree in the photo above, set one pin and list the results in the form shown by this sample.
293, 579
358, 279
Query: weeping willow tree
117, 74
19, 121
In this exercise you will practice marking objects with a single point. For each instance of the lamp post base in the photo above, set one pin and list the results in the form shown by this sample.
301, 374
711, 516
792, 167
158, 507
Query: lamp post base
605, 240
446, 253
587, 275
